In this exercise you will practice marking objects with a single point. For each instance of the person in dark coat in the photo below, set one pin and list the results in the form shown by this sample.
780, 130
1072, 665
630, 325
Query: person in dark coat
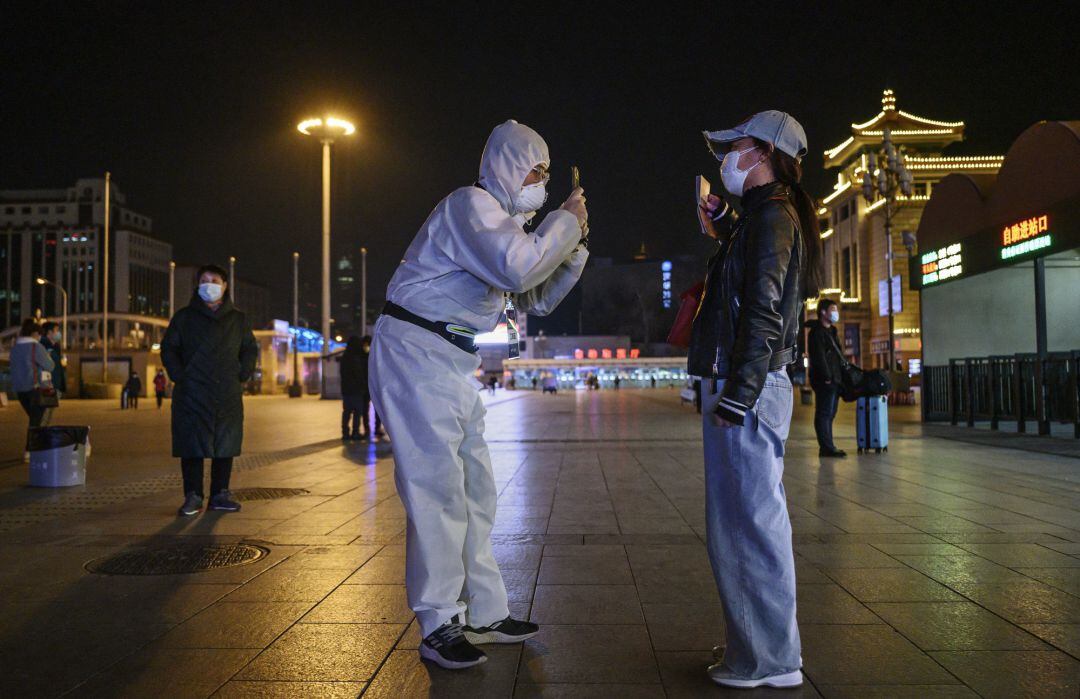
354, 390
355, 395
209, 351
161, 385
50, 339
823, 347
134, 390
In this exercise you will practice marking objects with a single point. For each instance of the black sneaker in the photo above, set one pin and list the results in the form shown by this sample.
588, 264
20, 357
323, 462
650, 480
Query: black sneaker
223, 502
192, 505
447, 647
832, 453
509, 630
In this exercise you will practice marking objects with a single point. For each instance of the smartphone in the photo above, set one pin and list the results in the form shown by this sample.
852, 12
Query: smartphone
575, 177
703, 188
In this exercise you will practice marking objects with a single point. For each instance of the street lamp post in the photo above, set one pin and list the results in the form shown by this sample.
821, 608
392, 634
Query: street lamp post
295, 391
64, 325
232, 278
105, 291
886, 175
326, 130
363, 291
172, 288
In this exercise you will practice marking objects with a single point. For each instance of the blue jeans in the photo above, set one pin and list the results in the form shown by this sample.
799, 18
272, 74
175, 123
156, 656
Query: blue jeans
749, 533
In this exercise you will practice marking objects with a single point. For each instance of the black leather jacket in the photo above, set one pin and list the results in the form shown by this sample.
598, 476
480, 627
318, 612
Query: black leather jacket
750, 312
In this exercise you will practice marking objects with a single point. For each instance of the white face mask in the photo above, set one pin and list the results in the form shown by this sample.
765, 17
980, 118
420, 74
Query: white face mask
530, 198
834, 316
733, 178
211, 293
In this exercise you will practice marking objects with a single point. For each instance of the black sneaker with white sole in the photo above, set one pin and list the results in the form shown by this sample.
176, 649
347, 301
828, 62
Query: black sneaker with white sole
447, 647
223, 502
192, 505
508, 630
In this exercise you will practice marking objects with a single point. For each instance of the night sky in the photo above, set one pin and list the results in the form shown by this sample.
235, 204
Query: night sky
193, 106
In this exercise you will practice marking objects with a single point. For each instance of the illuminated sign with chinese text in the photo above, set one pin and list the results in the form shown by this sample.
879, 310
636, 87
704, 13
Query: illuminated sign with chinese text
941, 264
665, 283
1026, 236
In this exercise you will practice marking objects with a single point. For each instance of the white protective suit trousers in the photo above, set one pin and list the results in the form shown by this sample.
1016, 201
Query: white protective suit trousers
424, 389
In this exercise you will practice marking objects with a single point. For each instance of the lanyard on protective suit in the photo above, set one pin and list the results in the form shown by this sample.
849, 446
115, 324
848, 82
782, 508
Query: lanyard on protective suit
512, 343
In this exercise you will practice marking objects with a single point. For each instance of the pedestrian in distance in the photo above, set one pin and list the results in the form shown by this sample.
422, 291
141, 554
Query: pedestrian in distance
471, 256
826, 363
50, 340
134, 390
618, 380
209, 352
161, 385
368, 407
354, 390
28, 360
492, 382
767, 263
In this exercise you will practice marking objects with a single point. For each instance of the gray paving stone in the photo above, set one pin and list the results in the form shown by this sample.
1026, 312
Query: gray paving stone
891, 585
1064, 637
954, 626
174, 672
1065, 579
865, 654
405, 674
362, 604
236, 625
1015, 673
1025, 602
831, 604
896, 691
590, 655
565, 570
589, 691
247, 689
681, 626
586, 604
325, 653
291, 585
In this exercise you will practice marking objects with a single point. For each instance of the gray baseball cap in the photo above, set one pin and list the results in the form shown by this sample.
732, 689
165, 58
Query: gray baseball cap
771, 126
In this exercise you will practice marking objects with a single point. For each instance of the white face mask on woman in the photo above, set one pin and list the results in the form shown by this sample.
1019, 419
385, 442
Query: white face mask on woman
530, 198
834, 316
733, 178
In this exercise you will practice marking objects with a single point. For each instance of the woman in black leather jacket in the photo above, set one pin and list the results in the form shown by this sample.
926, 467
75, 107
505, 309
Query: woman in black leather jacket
744, 335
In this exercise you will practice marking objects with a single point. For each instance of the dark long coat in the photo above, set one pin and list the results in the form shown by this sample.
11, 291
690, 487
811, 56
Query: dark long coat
208, 354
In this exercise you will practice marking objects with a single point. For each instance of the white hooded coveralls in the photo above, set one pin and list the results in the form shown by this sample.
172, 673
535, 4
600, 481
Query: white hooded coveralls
466, 256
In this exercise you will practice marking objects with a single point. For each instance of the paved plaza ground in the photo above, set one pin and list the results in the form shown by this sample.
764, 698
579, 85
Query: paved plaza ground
941, 568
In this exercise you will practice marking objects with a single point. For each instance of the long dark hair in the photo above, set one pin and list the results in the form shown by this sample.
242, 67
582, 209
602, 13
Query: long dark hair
789, 171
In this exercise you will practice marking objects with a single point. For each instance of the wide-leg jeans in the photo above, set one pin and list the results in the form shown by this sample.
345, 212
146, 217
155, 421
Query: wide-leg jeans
749, 532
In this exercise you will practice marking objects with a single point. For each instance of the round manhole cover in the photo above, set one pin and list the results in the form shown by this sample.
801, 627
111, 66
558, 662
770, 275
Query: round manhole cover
266, 493
176, 558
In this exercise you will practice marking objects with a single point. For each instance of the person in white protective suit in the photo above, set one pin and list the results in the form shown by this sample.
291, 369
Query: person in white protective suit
471, 255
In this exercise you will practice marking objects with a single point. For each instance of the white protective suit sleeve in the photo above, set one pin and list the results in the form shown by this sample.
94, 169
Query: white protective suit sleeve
484, 240
542, 299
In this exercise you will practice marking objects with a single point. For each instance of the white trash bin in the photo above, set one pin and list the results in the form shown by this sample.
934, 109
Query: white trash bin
58, 455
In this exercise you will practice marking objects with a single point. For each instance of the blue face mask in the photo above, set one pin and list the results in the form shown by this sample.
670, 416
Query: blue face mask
211, 293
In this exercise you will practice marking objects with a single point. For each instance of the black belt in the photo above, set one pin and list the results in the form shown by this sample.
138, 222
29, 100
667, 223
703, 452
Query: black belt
461, 336
779, 360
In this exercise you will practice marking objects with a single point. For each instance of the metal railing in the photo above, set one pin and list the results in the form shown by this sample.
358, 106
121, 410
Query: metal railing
1010, 388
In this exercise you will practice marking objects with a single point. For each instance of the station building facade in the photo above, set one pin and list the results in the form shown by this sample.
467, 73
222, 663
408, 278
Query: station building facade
853, 230
998, 271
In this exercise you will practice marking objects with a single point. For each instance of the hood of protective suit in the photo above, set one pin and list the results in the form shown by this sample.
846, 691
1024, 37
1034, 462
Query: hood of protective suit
512, 150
